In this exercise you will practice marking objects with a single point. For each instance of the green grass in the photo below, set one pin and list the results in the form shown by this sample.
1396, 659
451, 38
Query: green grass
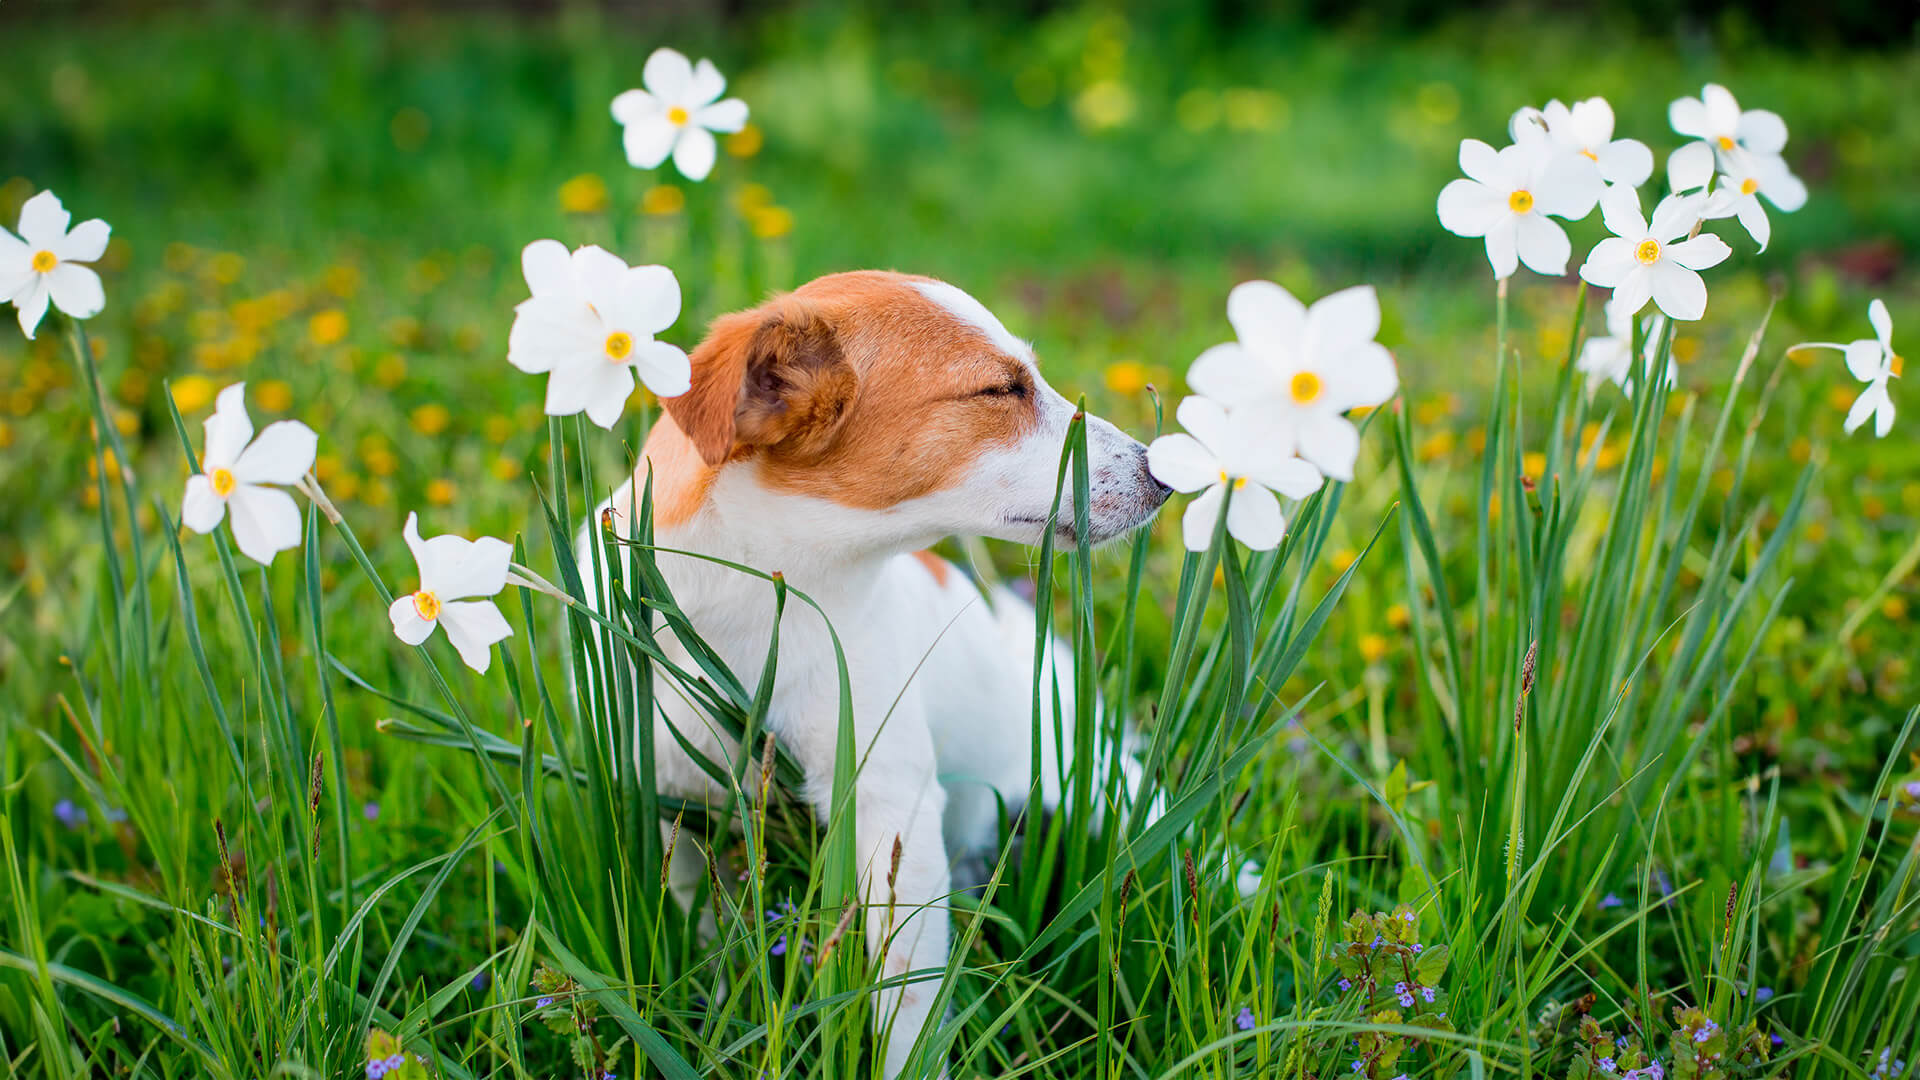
326, 834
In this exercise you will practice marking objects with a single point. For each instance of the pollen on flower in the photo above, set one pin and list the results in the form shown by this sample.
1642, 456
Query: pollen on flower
1590, 155
1520, 202
1648, 252
1305, 387
619, 346
222, 481
678, 116
1726, 143
1896, 364
1749, 186
427, 605
44, 261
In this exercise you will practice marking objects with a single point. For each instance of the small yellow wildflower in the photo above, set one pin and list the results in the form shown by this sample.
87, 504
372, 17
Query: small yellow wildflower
1436, 446
746, 142
584, 194
391, 371
1398, 617
1373, 648
1126, 377
191, 393
274, 395
431, 418
1534, 464
327, 327
771, 222
498, 429
505, 468
1894, 608
440, 491
663, 199
1343, 559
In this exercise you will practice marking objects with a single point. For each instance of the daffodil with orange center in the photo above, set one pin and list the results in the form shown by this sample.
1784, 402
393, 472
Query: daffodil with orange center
456, 575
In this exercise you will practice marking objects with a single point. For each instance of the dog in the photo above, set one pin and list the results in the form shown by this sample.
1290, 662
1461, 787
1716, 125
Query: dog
833, 434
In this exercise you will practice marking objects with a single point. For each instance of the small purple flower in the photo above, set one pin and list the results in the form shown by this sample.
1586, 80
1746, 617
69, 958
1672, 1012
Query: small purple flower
1763, 995
70, 814
1913, 789
1358, 1064
1606, 1064
543, 1003
1610, 900
1777, 1040
1345, 984
1377, 941
1399, 987
608, 1076
1663, 883
779, 947
1408, 916
1406, 1001
1402, 1076
1427, 992
1245, 1020
395, 1062
376, 1070
371, 811
481, 981
1417, 947
1706, 1031
1620, 1041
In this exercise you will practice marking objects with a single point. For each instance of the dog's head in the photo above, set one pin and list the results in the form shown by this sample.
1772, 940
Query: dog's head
906, 411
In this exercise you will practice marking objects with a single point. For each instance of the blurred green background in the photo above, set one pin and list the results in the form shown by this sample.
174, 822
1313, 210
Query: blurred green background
329, 200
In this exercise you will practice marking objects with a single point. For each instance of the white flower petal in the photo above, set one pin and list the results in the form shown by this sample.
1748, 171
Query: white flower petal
648, 140
667, 75
1675, 217
647, 301
1202, 516
1365, 376
1780, 186
1503, 252
32, 303
1689, 117
1762, 131
602, 276
201, 509
1723, 111
474, 626
1331, 443
1543, 245
1866, 359
1883, 414
548, 268
1633, 290
281, 455
1625, 161
455, 568
43, 222
1482, 162
1591, 121
1567, 186
1754, 217
1290, 476
633, 106
228, 430
1678, 291
610, 386
1267, 319
1342, 320
663, 368
265, 521
1869, 403
1207, 420
570, 387
723, 116
1609, 263
1471, 208
551, 331
408, 626
1181, 463
1700, 253
87, 242
693, 155
1228, 372
76, 290
1253, 517
1881, 321
1690, 167
706, 85
1620, 211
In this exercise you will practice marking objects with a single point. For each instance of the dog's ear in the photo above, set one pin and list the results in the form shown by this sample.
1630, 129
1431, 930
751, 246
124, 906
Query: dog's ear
773, 376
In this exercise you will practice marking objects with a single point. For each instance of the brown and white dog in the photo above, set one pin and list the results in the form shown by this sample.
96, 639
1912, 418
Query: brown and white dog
831, 434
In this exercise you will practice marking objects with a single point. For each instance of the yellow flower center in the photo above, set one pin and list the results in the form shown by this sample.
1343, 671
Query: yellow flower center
222, 481
1520, 202
1305, 387
678, 116
426, 605
1726, 143
1897, 363
1590, 155
1234, 482
1749, 186
44, 261
1648, 252
619, 346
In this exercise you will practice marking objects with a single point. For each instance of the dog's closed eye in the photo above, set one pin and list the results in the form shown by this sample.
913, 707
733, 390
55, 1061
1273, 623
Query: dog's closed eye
1013, 388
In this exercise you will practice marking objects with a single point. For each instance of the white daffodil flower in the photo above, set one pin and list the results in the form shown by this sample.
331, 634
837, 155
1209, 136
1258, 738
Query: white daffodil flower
235, 467
1610, 358
1219, 452
454, 572
1296, 370
1690, 168
677, 114
590, 324
1506, 199
1744, 179
1586, 129
1872, 361
42, 264
1642, 261
1715, 119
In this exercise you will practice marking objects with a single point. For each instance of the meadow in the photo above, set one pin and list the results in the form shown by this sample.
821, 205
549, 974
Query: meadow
1593, 714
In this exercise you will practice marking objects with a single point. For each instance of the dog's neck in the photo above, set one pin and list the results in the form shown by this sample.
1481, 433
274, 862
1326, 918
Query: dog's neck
724, 512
